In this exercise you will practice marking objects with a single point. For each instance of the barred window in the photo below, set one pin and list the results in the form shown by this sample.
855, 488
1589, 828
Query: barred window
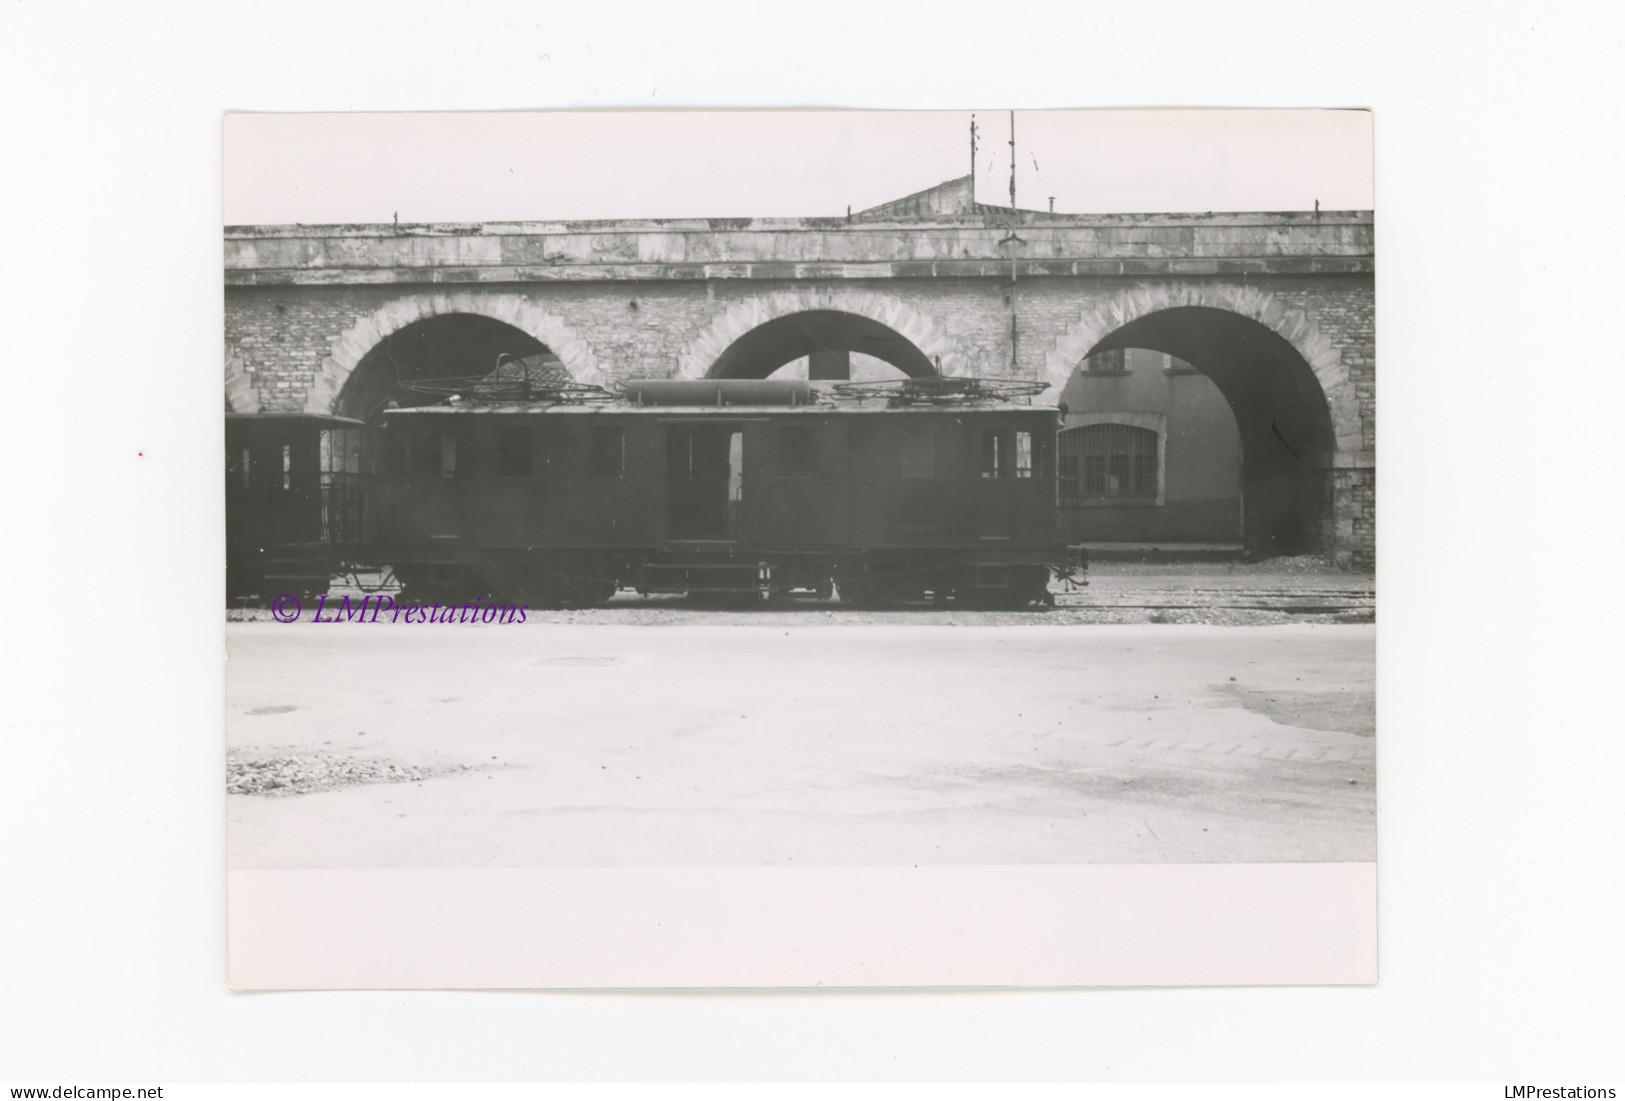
1109, 462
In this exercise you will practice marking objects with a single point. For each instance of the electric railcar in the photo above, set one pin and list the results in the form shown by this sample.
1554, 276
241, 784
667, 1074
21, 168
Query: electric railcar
932, 488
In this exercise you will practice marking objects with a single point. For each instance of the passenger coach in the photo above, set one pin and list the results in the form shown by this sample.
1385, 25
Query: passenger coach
940, 488
295, 502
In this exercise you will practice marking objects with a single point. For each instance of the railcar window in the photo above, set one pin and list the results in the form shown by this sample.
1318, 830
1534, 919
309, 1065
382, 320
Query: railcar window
919, 452
993, 449
608, 452
513, 451
795, 451
394, 458
248, 468
425, 453
340, 452
736, 480
1024, 454
448, 455
287, 466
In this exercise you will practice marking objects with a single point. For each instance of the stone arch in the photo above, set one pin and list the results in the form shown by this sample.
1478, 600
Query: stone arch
743, 317
1100, 320
241, 394
512, 309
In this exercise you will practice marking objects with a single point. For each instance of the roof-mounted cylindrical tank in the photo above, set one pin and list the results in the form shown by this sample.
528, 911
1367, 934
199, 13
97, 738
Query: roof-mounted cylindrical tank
718, 391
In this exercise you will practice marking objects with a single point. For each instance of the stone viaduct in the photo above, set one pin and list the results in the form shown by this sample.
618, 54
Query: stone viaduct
1276, 308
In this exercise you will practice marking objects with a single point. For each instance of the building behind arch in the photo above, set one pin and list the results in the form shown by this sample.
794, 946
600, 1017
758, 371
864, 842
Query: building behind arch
1150, 456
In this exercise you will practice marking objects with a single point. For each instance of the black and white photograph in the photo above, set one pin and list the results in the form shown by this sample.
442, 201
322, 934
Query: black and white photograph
989, 499
609, 545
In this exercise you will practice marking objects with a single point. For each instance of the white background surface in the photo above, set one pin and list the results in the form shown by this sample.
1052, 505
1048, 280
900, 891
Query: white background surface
1500, 777
548, 166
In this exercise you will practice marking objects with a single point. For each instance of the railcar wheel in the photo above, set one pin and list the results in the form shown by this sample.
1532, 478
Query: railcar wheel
545, 593
1030, 585
587, 592
863, 592
441, 585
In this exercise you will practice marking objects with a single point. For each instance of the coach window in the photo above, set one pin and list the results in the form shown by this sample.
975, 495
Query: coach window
513, 451
795, 451
994, 446
448, 454
393, 458
247, 469
919, 452
608, 452
287, 466
1024, 454
424, 452
340, 453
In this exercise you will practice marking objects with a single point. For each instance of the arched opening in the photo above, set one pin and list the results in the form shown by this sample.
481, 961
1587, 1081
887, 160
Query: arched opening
832, 345
1282, 419
445, 346
1150, 456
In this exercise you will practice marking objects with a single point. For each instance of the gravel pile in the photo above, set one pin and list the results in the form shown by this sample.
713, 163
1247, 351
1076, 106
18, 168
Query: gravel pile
300, 773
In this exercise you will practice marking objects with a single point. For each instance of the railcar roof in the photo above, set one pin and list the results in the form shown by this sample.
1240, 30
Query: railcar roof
621, 409
314, 418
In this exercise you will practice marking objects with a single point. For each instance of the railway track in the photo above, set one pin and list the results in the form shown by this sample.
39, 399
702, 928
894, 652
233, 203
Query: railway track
1186, 597
1330, 601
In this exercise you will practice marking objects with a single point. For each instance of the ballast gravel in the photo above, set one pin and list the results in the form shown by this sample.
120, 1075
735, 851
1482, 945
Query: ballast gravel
302, 772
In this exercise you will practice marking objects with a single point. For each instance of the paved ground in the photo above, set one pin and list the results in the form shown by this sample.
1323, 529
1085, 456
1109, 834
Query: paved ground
549, 744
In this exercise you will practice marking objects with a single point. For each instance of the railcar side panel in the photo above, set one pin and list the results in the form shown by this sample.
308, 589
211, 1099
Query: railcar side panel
888, 501
795, 490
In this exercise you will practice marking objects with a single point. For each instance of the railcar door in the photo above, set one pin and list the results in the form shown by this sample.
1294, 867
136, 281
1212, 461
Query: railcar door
343, 487
433, 457
1014, 491
704, 481
993, 445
